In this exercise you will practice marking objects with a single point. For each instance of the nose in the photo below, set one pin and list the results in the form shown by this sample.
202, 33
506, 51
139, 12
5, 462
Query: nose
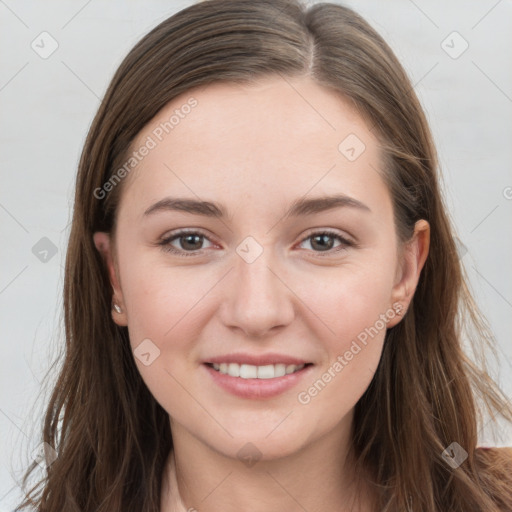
257, 299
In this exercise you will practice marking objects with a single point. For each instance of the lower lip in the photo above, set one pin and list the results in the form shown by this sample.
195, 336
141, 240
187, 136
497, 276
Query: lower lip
257, 388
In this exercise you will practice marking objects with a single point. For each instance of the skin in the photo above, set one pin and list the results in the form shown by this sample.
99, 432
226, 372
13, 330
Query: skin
255, 149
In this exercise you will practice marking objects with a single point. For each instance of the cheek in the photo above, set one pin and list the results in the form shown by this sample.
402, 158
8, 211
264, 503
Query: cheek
337, 388
350, 300
165, 321
353, 308
158, 297
357, 316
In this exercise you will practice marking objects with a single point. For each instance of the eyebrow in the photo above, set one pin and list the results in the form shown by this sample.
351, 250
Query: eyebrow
300, 207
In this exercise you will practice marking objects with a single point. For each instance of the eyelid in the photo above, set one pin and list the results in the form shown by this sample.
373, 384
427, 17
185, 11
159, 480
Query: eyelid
183, 231
346, 242
165, 241
332, 232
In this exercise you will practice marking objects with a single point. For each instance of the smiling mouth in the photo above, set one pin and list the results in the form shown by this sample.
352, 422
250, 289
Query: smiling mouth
249, 371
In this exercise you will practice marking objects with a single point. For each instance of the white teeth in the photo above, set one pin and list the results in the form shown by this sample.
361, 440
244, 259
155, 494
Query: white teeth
234, 370
290, 368
249, 371
266, 372
280, 369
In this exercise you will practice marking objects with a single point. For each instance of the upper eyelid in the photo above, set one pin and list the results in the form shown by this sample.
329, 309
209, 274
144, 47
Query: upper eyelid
184, 232
313, 231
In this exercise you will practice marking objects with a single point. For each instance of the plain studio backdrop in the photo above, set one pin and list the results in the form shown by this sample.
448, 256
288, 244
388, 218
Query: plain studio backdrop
56, 62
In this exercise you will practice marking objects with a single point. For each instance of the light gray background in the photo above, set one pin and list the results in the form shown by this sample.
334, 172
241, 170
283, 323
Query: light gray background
48, 104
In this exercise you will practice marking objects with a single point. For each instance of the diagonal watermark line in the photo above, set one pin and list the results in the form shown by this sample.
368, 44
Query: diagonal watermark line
287, 492
8, 492
14, 218
198, 301
281, 422
13, 13
76, 14
411, 89
80, 79
493, 287
14, 76
492, 81
217, 486
165, 165
13, 279
284, 78
14, 423
423, 77
485, 15
301, 300
491, 212
310, 189
199, 403
492, 420
424, 14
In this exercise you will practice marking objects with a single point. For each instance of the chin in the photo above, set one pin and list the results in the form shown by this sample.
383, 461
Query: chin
262, 441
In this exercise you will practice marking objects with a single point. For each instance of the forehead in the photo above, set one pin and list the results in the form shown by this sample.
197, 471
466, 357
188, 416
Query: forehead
273, 138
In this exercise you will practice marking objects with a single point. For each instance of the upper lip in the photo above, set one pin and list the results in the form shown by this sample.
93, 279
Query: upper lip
256, 360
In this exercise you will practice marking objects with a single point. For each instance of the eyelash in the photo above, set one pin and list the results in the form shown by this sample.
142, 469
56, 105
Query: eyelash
165, 243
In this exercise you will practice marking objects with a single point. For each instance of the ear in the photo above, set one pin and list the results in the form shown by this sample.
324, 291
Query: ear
413, 257
105, 246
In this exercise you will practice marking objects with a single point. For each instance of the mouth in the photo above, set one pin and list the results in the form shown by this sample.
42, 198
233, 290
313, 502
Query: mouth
256, 382
264, 372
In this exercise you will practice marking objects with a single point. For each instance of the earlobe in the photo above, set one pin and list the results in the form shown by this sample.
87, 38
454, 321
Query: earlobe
103, 244
414, 255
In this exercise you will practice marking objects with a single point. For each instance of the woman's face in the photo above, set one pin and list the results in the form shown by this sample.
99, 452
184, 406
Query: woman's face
255, 285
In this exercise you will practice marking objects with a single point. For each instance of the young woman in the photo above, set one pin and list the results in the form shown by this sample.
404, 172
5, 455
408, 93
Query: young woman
264, 306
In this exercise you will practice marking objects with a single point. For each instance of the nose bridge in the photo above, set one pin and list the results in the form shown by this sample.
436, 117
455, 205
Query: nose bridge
258, 300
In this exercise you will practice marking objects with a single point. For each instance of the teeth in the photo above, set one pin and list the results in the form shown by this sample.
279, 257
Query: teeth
249, 371
233, 369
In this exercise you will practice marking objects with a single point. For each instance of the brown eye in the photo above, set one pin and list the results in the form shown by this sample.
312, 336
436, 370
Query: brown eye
324, 242
189, 243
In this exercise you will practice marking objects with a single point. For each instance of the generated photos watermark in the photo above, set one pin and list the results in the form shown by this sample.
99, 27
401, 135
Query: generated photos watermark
157, 135
357, 345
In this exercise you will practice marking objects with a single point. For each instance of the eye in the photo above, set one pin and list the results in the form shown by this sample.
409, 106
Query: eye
323, 241
190, 242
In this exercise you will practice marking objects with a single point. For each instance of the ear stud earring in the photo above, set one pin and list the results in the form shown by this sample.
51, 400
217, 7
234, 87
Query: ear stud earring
117, 308
399, 309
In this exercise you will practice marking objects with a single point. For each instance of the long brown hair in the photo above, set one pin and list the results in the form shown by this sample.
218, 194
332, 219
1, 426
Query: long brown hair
112, 437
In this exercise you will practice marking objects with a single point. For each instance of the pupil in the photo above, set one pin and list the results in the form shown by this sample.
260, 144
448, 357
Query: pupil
323, 245
187, 238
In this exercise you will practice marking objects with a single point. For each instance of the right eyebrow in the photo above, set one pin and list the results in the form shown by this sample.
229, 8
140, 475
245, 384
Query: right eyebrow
207, 208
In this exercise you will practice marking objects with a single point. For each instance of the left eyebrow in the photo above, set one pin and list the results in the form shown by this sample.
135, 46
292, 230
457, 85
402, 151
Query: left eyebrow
300, 207
320, 204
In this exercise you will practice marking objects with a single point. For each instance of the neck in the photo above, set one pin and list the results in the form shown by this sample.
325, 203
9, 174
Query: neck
318, 477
